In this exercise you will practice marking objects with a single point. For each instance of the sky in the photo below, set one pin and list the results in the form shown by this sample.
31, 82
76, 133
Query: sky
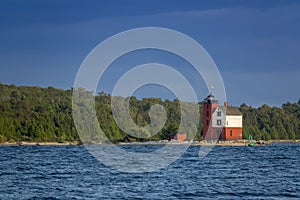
255, 44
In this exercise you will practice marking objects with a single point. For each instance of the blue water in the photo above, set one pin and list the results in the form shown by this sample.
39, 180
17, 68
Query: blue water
70, 172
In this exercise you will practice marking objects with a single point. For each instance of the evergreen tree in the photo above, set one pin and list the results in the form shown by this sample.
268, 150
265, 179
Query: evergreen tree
45, 114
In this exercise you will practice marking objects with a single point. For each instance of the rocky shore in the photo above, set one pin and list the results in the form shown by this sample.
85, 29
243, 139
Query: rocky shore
212, 143
162, 142
25, 143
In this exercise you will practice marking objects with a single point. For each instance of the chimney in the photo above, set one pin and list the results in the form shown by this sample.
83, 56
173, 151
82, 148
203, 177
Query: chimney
226, 103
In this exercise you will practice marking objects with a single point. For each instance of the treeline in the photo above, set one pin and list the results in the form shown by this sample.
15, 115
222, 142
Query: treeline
274, 123
35, 114
45, 115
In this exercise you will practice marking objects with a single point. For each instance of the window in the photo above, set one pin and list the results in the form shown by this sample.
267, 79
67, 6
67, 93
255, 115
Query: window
207, 114
230, 133
219, 122
207, 122
206, 106
219, 113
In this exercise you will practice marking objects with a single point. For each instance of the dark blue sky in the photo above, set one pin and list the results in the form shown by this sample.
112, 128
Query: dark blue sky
255, 44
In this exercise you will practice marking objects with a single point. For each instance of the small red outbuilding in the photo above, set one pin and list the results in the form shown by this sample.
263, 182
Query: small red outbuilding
179, 136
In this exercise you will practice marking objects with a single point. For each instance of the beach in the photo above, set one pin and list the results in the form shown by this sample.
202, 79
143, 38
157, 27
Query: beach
163, 142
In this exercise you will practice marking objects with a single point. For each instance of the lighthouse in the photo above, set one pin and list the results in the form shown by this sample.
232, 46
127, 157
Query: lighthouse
221, 122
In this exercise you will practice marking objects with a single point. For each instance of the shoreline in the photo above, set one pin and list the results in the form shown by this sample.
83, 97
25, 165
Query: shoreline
157, 143
26, 143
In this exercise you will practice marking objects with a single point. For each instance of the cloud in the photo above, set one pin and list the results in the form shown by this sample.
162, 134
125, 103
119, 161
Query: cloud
247, 42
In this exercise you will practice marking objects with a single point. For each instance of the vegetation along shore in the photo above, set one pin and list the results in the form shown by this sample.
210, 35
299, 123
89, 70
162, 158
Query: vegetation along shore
43, 116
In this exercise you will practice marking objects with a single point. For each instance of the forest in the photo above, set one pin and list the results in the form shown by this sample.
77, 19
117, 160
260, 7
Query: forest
36, 114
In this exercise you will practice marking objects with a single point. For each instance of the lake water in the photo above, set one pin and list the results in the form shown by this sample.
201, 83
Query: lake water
70, 172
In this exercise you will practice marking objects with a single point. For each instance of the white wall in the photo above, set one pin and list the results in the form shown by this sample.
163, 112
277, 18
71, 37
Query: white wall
234, 121
215, 118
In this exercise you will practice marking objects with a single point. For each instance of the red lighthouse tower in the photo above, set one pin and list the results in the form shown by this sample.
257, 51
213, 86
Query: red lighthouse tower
209, 105
221, 122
